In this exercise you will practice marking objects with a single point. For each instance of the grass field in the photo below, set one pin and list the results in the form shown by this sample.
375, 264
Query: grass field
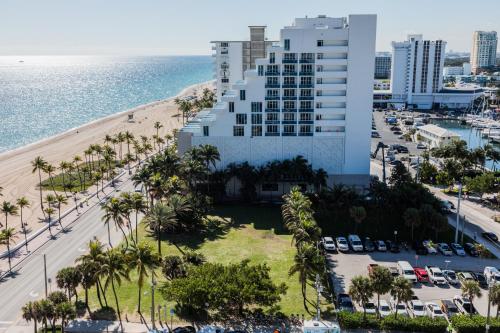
247, 232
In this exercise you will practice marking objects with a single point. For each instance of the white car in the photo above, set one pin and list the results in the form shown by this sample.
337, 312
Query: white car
450, 276
445, 249
328, 244
429, 246
434, 310
463, 305
417, 308
342, 244
435, 275
492, 274
370, 308
458, 249
355, 242
384, 309
400, 308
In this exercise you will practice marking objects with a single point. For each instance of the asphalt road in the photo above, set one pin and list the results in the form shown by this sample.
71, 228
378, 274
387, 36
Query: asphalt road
28, 282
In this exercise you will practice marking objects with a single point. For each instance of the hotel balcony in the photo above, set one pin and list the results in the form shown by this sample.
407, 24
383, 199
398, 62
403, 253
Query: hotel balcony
306, 134
289, 122
289, 98
272, 98
307, 73
289, 134
306, 98
289, 61
306, 122
331, 74
306, 110
308, 85
272, 122
289, 73
288, 85
287, 110
272, 85
331, 61
272, 134
331, 86
272, 73
307, 61
272, 110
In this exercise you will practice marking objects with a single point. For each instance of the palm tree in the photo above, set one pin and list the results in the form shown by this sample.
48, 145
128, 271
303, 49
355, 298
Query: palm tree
140, 256
30, 312
494, 298
49, 211
50, 169
64, 167
7, 236
161, 218
412, 218
39, 164
114, 269
60, 200
138, 204
92, 261
157, 126
381, 281
470, 290
401, 291
361, 291
66, 312
69, 278
307, 263
113, 211
358, 214
21, 203
296, 203
129, 137
8, 209
46, 311
126, 209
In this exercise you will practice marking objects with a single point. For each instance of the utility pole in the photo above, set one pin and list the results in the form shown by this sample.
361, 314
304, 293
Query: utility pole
457, 225
45, 273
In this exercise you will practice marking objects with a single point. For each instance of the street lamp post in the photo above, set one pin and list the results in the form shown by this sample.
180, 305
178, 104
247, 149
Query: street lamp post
457, 225
395, 236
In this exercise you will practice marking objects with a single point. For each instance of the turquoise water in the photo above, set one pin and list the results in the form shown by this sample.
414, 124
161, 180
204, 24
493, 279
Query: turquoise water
47, 95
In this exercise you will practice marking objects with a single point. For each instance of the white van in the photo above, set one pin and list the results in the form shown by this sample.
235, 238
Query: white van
406, 271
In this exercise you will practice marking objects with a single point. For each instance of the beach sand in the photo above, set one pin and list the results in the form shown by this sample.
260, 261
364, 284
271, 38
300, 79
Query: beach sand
16, 175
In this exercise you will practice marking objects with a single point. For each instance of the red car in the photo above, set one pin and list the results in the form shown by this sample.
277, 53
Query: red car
421, 274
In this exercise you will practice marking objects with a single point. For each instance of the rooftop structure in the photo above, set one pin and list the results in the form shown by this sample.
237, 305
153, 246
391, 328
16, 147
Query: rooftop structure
436, 136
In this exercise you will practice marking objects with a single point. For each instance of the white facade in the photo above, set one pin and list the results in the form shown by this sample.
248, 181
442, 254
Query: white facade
417, 67
484, 50
436, 136
311, 96
465, 69
233, 58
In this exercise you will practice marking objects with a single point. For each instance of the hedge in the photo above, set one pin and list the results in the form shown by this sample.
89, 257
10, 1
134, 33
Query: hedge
474, 324
349, 320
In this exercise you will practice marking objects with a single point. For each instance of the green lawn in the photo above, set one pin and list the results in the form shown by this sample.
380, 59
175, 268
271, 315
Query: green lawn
248, 232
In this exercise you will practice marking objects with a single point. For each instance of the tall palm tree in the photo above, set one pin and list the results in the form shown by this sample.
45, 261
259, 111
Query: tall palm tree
49, 170
157, 126
161, 218
138, 205
65, 312
30, 312
129, 137
23, 202
92, 262
401, 291
470, 290
126, 209
77, 160
361, 291
113, 211
39, 164
49, 211
120, 138
114, 269
140, 256
381, 281
494, 297
8, 209
64, 167
7, 236
60, 200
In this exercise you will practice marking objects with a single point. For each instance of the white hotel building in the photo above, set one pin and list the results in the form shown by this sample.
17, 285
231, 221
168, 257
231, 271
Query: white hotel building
311, 95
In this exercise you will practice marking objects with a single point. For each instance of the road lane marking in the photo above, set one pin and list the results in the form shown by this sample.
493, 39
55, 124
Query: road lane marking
34, 294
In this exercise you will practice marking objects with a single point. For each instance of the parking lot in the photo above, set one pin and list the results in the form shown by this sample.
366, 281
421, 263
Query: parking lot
344, 266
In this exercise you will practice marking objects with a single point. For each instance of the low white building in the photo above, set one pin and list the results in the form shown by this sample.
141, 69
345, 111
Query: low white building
435, 136
465, 69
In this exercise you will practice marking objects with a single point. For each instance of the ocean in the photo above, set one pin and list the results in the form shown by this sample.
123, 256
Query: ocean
41, 96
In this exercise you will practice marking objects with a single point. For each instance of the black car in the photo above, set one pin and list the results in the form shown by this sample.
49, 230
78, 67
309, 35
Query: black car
344, 303
184, 329
419, 248
490, 236
403, 149
392, 246
396, 162
368, 245
471, 249
481, 279
397, 133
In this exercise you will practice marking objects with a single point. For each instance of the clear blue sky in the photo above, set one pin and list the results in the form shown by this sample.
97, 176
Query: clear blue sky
187, 26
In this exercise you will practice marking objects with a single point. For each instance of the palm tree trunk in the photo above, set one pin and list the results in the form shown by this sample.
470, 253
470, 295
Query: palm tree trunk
98, 293
8, 253
378, 305
60, 222
40, 187
103, 293
117, 305
109, 236
52, 184
136, 232
36, 324
24, 230
87, 300
124, 236
139, 303
6, 222
304, 298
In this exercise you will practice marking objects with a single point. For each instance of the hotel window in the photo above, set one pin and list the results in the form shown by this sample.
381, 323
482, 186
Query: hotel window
289, 69
289, 105
241, 118
272, 117
306, 92
306, 116
242, 95
205, 131
256, 107
319, 55
305, 105
257, 118
224, 80
289, 80
256, 130
306, 56
272, 80
318, 129
319, 80
305, 80
287, 116
273, 69
319, 42
238, 131
289, 92
272, 104
272, 129
273, 93
306, 68
289, 57
289, 129
272, 58
261, 70
319, 105
305, 128
231, 106
224, 44
287, 45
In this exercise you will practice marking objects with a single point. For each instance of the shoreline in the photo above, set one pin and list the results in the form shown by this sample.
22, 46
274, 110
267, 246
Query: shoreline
114, 116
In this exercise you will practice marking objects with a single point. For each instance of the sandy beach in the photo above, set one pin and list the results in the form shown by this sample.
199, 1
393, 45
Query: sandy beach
16, 175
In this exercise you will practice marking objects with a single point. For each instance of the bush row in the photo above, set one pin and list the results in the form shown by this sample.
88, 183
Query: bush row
474, 324
355, 320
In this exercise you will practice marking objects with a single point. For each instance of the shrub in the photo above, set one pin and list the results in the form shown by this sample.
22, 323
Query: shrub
348, 320
419, 324
476, 324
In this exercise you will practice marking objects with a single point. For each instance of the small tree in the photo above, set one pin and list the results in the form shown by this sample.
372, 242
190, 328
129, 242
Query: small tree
381, 281
358, 214
470, 290
495, 297
361, 290
401, 291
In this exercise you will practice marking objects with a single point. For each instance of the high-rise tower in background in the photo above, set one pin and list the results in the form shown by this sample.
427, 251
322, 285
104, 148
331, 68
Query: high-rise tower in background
484, 50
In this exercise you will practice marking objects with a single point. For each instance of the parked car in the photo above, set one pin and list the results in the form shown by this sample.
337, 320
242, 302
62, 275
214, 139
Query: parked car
406, 271
380, 246
429, 246
396, 163
465, 276
450, 276
449, 308
384, 309
188, 329
397, 133
434, 310
394, 271
417, 308
471, 249
344, 303
368, 245
463, 305
392, 246
445, 249
492, 274
435, 275
370, 308
448, 206
375, 134
395, 128
490, 236
421, 146
328, 244
403, 149
457, 249
421, 274
480, 278
400, 308
355, 243
342, 244
419, 248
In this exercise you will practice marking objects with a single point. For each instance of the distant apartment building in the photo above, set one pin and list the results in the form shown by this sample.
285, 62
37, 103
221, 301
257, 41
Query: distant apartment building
233, 58
311, 95
465, 69
484, 50
383, 65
